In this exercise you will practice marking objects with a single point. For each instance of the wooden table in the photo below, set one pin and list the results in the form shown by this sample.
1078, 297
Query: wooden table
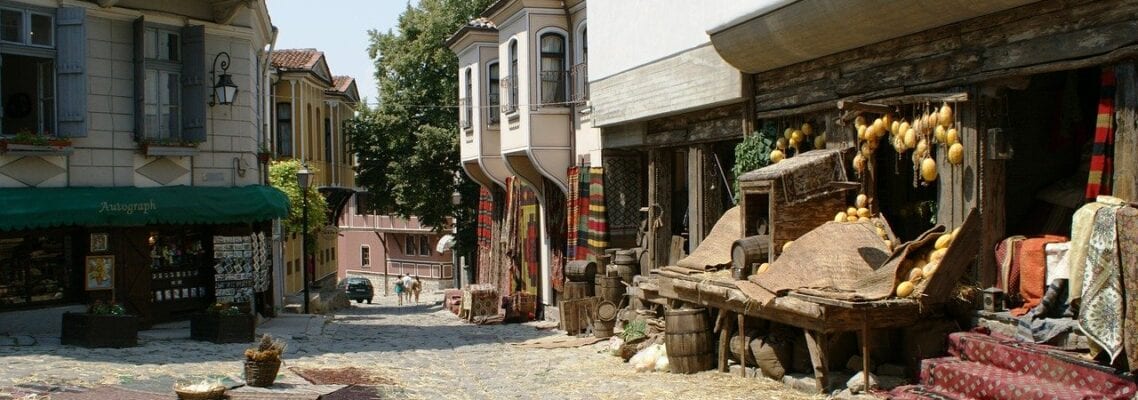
819, 317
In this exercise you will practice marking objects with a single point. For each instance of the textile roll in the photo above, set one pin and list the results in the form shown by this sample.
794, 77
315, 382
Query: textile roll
1081, 224
1100, 179
1032, 262
598, 228
572, 212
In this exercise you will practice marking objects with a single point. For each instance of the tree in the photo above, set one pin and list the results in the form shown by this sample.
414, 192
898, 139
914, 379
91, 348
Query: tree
282, 175
408, 146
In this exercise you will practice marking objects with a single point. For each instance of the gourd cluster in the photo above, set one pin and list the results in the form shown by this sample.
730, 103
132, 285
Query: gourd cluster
929, 127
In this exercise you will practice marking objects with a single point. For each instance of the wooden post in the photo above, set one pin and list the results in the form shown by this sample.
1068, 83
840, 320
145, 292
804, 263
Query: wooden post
865, 348
817, 342
1126, 133
743, 338
724, 339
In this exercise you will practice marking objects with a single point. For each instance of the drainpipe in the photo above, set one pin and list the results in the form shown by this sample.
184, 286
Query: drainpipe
267, 102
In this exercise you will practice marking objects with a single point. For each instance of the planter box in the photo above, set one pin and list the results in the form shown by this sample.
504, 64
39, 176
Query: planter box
222, 328
89, 330
14, 149
172, 151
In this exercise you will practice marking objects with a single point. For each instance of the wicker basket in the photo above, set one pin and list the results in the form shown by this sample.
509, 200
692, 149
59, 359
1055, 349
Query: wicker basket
210, 395
261, 373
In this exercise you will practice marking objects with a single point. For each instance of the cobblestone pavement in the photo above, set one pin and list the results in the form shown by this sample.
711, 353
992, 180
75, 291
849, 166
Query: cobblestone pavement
426, 350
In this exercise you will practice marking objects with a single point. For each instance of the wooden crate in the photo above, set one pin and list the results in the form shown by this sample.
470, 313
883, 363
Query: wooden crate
578, 314
788, 199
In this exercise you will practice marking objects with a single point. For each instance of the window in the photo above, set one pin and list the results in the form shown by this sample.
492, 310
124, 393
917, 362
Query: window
365, 256
424, 246
552, 68
467, 104
513, 104
328, 139
579, 74
492, 93
284, 129
162, 97
27, 79
27, 28
409, 246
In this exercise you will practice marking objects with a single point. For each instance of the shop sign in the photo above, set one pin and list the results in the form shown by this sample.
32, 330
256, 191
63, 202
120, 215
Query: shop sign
144, 207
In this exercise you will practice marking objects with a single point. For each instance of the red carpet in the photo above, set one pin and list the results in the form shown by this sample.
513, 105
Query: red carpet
987, 367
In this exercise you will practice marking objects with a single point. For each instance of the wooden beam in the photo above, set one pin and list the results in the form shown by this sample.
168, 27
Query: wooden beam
1126, 133
107, 3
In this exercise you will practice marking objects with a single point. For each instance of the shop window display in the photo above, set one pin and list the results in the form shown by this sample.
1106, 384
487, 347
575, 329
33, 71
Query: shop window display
34, 269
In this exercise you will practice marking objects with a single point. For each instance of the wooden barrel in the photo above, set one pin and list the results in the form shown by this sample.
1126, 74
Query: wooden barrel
603, 329
687, 337
580, 270
748, 251
577, 290
610, 289
736, 346
625, 257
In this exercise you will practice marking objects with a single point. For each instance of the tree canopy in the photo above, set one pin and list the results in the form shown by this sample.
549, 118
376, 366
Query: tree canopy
282, 175
408, 145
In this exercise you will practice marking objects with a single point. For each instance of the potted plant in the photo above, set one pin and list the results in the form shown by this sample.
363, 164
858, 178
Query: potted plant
153, 147
222, 323
263, 362
103, 325
27, 142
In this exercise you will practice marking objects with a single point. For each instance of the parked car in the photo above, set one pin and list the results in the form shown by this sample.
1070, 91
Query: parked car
359, 289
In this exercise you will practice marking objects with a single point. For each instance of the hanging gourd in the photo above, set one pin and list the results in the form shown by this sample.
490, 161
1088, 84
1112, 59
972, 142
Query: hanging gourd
928, 170
956, 154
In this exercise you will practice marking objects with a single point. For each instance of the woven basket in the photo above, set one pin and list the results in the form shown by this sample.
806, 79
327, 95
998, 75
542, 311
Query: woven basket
261, 373
210, 395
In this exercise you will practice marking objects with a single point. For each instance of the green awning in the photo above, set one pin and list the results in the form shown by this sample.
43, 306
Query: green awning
28, 208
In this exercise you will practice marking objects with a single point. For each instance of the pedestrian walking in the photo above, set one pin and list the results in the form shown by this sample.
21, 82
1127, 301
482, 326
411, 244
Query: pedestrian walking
416, 287
407, 282
399, 289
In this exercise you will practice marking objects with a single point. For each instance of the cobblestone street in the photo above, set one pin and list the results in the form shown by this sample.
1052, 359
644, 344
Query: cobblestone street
426, 351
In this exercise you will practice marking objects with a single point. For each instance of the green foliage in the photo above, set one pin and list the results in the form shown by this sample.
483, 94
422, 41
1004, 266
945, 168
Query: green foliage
408, 146
282, 175
753, 152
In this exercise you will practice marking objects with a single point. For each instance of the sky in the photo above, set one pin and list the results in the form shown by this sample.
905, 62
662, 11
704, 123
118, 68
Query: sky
339, 29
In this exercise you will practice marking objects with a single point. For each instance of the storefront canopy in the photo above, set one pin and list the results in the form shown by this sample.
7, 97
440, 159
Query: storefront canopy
28, 208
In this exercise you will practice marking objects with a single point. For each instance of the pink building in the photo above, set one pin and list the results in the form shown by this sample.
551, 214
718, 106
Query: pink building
378, 246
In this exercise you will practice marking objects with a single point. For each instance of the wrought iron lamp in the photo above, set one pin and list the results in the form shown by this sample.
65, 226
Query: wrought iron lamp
303, 177
224, 90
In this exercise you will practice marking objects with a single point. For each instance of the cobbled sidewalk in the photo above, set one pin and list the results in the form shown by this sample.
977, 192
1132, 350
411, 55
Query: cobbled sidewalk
425, 350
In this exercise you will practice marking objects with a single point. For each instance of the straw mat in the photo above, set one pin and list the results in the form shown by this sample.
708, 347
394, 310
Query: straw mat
714, 252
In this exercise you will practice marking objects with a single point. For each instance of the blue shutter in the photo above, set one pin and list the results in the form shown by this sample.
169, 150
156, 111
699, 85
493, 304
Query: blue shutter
195, 83
139, 78
71, 71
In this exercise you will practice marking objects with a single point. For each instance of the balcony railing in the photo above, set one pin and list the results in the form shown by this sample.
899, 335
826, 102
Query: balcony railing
510, 85
553, 90
493, 112
467, 118
579, 75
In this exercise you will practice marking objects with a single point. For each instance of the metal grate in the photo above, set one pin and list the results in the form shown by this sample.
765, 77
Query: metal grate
579, 75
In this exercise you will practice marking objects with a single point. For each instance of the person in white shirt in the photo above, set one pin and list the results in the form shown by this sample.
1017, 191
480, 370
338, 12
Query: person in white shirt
407, 281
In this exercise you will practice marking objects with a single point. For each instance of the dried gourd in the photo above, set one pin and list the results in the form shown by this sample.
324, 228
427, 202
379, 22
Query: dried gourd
956, 232
786, 245
841, 217
881, 233
859, 121
895, 128
787, 132
777, 156
916, 274
945, 116
904, 127
943, 241
858, 163
863, 212
851, 211
937, 255
764, 267
956, 153
862, 219
940, 134
862, 201
851, 218
780, 143
910, 138
861, 129
820, 141
923, 147
807, 129
951, 137
930, 269
928, 170
905, 289
888, 244
888, 122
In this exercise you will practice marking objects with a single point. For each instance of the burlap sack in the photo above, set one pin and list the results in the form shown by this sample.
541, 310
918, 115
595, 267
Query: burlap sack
714, 252
880, 283
775, 354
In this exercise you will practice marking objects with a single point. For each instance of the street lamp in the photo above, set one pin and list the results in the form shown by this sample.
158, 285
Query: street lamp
224, 90
302, 180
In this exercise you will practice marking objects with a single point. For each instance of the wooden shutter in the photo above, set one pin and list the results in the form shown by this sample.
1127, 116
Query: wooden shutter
71, 71
195, 83
139, 78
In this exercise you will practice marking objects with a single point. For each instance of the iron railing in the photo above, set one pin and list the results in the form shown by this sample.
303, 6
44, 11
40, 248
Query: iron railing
493, 111
579, 75
552, 89
510, 84
467, 118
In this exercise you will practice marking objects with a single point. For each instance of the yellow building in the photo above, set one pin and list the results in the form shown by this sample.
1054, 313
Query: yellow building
309, 107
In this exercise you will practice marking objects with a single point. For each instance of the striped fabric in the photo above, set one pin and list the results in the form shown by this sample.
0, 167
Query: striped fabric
583, 201
1102, 155
572, 212
555, 211
598, 227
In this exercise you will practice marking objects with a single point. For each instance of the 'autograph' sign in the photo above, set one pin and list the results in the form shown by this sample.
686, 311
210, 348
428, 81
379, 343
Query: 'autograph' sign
128, 208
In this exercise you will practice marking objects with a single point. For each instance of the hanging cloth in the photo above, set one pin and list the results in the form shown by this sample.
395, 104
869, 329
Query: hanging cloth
1100, 315
598, 226
1127, 220
1102, 154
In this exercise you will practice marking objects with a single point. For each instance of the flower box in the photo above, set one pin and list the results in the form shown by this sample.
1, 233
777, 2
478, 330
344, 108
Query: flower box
217, 328
61, 148
99, 330
156, 150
